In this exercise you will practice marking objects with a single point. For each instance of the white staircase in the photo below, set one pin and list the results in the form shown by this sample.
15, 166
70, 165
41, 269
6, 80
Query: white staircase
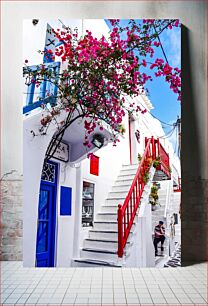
100, 248
163, 213
159, 212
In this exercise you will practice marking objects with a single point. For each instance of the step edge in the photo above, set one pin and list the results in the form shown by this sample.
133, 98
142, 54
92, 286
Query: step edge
99, 251
97, 262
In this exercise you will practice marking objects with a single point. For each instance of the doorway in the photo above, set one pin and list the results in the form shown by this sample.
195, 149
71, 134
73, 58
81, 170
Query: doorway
46, 229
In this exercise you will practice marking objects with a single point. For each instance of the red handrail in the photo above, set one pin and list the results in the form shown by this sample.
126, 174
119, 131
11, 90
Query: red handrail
178, 187
127, 211
164, 158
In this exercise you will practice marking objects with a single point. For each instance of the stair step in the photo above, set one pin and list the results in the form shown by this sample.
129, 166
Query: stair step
116, 201
107, 225
123, 182
128, 166
87, 262
128, 171
112, 216
120, 188
104, 254
109, 208
101, 244
105, 234
117, 194
125, 177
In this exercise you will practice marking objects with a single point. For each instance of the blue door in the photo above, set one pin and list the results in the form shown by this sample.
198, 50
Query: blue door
45, 243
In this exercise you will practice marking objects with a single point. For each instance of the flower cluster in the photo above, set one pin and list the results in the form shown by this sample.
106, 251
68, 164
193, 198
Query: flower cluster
99, 73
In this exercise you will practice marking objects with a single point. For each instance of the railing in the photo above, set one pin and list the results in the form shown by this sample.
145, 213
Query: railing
178, 187
47, 90
164, 158
127, 211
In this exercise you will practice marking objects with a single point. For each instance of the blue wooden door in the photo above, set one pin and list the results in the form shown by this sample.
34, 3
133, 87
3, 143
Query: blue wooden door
45, 243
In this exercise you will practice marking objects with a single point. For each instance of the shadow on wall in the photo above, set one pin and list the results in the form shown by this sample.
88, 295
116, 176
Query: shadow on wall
194, 204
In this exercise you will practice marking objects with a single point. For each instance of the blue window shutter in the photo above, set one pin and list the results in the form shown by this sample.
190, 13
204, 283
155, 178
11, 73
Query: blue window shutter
66, 201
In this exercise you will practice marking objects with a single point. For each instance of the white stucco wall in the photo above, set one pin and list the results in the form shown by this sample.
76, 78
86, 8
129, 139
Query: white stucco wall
110, 164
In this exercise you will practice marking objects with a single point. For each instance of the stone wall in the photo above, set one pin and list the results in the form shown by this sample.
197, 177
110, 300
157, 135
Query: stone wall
11, 215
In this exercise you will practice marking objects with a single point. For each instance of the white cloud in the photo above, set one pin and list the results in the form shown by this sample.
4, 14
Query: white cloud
172, 46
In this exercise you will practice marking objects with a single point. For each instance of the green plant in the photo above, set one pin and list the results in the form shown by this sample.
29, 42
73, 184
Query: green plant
146, 177
154, 195
169, 169
139, 157
121, 129
156, 162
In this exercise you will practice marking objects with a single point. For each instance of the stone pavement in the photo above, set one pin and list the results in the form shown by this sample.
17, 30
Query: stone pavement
175, 259
103, 286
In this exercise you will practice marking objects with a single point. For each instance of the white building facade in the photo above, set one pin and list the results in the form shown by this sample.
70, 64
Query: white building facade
64, 200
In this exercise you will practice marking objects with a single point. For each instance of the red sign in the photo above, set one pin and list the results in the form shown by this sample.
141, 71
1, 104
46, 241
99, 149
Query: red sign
94, 165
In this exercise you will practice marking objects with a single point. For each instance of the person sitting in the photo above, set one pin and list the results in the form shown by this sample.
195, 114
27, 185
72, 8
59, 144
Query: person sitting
159, 236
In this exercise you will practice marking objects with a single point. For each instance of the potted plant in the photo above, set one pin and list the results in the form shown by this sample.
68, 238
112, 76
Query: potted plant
121, 129
146, 177
156, 162
139, 156
154, 196
148, 161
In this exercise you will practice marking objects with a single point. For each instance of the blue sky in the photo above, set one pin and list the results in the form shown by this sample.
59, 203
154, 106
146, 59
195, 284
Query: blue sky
166, 105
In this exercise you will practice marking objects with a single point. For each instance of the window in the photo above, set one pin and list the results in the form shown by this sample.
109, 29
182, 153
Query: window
87, 204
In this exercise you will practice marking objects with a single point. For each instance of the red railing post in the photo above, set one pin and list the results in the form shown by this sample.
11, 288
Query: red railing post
153, 149
120, 232
158, 147
179, 183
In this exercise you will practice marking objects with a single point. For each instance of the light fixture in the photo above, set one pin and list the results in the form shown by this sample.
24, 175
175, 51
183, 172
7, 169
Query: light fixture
98, 140
35, 21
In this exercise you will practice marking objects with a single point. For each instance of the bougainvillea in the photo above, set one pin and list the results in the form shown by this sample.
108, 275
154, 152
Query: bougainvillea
97, 74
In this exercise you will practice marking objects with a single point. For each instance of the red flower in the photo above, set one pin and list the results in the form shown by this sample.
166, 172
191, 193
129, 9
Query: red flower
144, 63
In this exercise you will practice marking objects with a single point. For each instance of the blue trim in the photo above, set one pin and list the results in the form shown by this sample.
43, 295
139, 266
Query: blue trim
37, 104
30, 104
61, 42
30, 92
65, 201
39, 67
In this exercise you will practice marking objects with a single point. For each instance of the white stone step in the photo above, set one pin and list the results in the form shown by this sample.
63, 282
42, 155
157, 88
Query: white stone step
115, 201
109, 208
122, 188
102, 216
104, 255
117, 194
111, 245
109, 216
123, 182
86, 262
105, 225
109, 235
125, 177
128, 172
108, 225
134, 166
